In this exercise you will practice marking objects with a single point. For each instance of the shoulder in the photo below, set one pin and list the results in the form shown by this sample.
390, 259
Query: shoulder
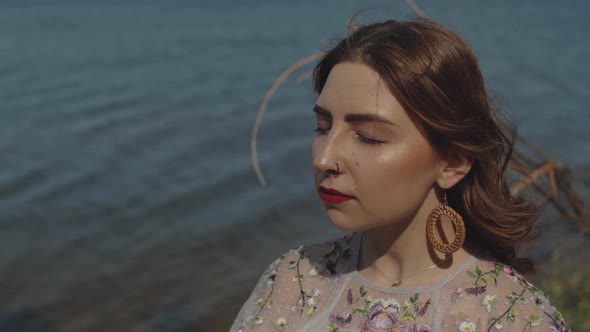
296, 285
495, 295
330, 258
326, 259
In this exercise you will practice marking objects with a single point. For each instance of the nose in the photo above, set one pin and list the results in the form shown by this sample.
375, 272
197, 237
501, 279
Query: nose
326, 155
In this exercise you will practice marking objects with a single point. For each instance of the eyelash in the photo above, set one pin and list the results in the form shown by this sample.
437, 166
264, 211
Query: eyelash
368, 141
360, 138
321, 131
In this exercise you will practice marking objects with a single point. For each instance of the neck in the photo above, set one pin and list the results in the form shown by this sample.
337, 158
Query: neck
401, 249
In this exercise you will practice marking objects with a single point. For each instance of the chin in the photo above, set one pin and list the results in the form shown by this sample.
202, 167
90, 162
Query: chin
344, 223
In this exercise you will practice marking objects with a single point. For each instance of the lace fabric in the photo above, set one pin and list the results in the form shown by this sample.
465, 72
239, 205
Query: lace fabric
318, 288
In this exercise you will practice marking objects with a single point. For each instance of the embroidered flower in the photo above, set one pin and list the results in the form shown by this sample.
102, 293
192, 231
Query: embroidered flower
424, 308
457, 294
281, 322
535, 320
467, 326
313, 300
489, 301
380, 317
509, 273
511, 315
498, 325
476, 290
296, 278
341, 319
259, 302
272, 278
313, 271
316, 269
513, 297
538, 302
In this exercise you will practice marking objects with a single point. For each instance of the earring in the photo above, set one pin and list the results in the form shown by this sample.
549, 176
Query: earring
458, 224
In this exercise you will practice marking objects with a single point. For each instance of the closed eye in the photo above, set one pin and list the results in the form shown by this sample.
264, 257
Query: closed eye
366, 140
321, 131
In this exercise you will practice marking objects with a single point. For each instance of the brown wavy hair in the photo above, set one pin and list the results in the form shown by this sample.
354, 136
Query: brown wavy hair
435, 76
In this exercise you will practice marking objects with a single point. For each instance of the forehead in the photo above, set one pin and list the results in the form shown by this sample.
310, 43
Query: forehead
356, 87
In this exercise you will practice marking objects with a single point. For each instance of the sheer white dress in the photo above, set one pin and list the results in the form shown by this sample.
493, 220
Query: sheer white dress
318, 288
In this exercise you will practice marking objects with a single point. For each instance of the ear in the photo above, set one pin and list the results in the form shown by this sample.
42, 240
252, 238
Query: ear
454, 168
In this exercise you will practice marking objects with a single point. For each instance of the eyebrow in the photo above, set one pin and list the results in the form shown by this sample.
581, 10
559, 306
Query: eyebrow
354, 117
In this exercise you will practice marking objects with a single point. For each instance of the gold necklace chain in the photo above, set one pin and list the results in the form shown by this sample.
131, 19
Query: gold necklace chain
397, 282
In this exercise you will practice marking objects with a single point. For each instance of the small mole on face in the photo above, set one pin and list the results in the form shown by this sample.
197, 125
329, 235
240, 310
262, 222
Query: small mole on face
357, 163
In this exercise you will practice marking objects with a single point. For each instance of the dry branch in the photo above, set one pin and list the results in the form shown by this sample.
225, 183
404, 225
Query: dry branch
553, 181
264, 104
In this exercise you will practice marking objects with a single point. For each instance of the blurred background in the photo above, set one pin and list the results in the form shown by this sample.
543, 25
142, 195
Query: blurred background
127, 197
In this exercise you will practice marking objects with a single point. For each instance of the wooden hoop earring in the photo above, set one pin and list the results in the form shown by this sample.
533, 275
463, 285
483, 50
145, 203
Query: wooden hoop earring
459, 225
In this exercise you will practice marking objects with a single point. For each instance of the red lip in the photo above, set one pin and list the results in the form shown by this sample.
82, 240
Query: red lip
333, 196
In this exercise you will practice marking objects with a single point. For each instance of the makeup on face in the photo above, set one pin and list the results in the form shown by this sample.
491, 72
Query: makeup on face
333, 196
385, 166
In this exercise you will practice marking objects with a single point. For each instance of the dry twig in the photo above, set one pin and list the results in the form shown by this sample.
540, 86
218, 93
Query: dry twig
264, 104
552, 180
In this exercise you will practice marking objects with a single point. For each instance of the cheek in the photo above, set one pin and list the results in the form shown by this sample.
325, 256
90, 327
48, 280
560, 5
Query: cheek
411, 162
407, 163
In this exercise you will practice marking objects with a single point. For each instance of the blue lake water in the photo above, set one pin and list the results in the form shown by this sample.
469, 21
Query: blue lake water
128, 198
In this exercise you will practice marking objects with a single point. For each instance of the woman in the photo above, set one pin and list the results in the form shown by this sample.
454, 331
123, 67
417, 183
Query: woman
411, 159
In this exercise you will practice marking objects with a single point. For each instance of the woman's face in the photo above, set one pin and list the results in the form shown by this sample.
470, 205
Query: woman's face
385, 165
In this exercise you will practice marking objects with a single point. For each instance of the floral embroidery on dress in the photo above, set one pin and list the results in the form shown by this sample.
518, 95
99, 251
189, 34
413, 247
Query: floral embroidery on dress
481, 283
306, 271
489, 301
380, 314
340, 320
557, 322
266, 302
467, 326
457, 294
534, 320
281, 322
336, 253
307, 302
